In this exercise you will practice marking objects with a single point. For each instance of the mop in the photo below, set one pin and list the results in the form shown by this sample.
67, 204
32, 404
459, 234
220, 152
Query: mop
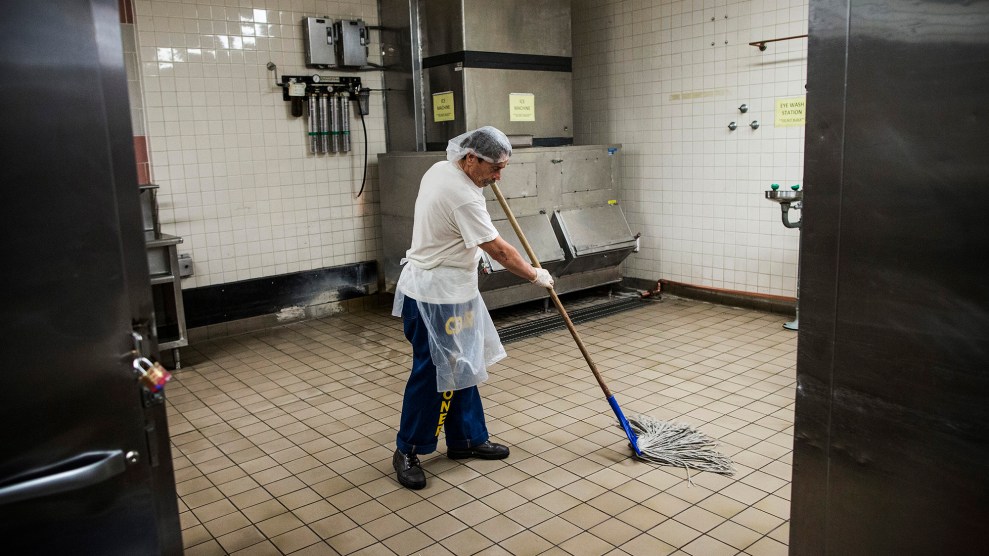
652, 440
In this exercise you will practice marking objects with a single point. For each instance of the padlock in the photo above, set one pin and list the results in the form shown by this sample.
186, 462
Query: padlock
152, 375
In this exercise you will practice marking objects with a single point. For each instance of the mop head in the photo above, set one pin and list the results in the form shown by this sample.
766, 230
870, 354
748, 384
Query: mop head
678, 444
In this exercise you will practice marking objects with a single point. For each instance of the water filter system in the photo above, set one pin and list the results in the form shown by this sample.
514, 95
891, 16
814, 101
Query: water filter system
344, 124
340, 45
327, 101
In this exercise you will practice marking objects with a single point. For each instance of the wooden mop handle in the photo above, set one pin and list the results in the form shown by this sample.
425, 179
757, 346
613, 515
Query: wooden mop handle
552, 292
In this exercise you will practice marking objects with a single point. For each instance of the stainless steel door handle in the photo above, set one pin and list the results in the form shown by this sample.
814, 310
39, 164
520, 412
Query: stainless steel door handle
74, 473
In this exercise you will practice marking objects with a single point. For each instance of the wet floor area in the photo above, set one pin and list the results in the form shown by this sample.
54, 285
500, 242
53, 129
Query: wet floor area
282, 439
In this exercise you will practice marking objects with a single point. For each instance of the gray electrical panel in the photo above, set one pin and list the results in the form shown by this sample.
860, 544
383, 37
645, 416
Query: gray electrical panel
351, 42
319, 42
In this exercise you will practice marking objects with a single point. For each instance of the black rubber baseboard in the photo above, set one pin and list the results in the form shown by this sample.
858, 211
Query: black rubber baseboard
250, 298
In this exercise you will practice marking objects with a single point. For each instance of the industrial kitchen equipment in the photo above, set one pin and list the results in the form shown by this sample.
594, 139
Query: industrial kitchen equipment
564, 198
457, 65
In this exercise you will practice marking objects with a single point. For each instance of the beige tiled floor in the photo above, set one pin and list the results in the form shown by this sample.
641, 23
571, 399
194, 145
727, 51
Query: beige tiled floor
282, 441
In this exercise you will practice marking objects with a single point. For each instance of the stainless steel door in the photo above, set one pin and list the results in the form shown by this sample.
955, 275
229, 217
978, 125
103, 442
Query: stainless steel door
84, 461
891, 447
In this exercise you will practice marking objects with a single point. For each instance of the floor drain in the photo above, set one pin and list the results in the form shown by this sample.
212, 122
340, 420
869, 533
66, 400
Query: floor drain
540, 326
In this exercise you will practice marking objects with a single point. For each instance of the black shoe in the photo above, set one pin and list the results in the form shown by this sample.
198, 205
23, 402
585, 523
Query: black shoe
488, 450
409, 470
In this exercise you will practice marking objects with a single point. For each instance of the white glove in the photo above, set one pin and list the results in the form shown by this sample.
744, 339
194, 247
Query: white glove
543, 279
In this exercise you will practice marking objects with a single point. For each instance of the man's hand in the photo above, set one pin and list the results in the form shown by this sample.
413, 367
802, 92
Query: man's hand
542, 279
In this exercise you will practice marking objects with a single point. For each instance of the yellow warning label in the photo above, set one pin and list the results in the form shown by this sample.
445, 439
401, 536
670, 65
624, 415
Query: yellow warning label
443, 107
791, 112
522, 107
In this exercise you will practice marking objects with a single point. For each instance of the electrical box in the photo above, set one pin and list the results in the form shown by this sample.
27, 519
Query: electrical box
319, 42
185, 265
351, 42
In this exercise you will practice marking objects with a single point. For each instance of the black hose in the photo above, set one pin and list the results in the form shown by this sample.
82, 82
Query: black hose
364, 125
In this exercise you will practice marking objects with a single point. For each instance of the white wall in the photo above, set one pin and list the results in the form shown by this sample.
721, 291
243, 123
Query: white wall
236, 179
646, 75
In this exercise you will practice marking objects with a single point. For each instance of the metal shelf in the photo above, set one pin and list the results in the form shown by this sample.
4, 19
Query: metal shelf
163, 261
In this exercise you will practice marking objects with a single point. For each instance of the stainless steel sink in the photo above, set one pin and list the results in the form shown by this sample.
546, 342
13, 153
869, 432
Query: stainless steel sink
785, 196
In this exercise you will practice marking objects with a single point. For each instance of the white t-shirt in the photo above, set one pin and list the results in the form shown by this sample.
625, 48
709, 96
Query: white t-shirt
451, 220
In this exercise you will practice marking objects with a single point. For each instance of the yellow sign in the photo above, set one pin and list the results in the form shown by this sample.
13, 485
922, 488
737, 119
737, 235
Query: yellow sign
443, 107
522, 107
791, 112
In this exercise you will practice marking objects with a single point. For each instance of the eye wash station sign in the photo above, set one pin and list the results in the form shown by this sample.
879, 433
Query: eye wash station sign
791, 112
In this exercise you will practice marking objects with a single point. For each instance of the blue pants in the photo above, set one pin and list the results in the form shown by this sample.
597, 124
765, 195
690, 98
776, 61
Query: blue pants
426, 412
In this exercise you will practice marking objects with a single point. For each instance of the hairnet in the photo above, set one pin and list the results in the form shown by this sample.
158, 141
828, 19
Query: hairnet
487, 143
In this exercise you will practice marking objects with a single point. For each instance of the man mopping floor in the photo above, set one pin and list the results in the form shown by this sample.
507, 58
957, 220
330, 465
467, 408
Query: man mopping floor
453, 338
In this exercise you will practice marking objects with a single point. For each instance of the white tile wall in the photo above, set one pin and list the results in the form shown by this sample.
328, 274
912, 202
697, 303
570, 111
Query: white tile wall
647, 75
134, 94
238, 184
236, 179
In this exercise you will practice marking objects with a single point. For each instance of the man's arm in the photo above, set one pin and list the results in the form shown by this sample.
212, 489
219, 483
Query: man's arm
509, 257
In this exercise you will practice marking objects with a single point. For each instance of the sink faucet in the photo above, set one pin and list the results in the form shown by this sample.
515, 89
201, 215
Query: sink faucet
786, 199
785, 207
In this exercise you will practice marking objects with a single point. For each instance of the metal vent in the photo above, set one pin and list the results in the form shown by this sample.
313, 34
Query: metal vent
540, 326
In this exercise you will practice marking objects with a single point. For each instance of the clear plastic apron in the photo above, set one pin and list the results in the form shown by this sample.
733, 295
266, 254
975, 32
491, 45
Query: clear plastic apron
463, 340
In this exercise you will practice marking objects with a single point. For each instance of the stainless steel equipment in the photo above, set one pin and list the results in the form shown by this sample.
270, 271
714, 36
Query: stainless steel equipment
890, 443
324, 123
480, 52
318, 35
593, 237
564, 199
351, 41
335, 115
169, 323
505, 64
343, 101
313, 123
786, 198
